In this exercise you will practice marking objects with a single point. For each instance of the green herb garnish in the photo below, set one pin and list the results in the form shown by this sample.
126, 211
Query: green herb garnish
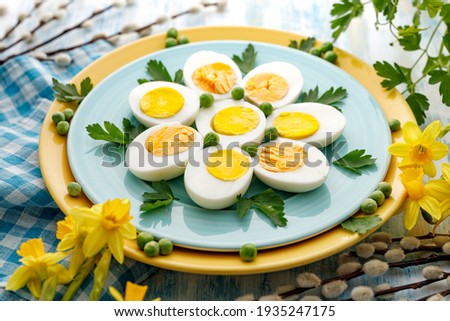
159, 72
304, 44
268, 202
162, 197
355, 160
112, 133
69, 92
361, 224
330, 97
247, 62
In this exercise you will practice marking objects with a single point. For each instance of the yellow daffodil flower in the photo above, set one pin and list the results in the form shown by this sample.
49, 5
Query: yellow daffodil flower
133, 292
110, 224
440, 189
420, 149
412, 179
37, 267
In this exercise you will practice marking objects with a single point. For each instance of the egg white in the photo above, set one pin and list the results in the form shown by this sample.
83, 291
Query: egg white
290, 73
144, 165
185, 116
331, 122
310, 176
206, 115
207, 57
208, 191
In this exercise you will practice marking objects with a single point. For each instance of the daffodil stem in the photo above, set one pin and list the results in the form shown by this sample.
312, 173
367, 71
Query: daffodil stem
49, 289
100, 273
82, 274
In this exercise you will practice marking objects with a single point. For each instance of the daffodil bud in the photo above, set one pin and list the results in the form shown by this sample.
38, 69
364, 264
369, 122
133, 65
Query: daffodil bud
334, 289
245, 297
100, 273
362, 293
49, 289
308, 280
365, 250
409, 243
432, 272
348, 268
375, 267
395, 255
383, 287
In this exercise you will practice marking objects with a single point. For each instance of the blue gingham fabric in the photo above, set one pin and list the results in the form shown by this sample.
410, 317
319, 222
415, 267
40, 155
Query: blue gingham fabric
26, 208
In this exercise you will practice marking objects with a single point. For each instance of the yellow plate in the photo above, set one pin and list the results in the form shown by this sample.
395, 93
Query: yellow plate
57, 174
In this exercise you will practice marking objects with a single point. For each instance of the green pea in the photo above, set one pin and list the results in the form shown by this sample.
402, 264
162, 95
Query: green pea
62, 128
210, 139
183, 40
206, 100
378, 197
143, 238
266, 108
248, 252
171, 42
251, 148
394, 125
172, 33
237, 93
326, 46
74, 189
151, 248
315, 52
68, 114
165, 246
270, 134
330, 56
386, 188
58, 117
369, 206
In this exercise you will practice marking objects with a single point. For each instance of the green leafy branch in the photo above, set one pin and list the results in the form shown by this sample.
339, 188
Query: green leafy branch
409, 37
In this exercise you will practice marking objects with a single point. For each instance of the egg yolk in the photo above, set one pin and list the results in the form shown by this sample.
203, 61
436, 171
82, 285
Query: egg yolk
266, 87
296, 125
216, 78
235, 120
161, 102
170, 140
281, 158
227, 165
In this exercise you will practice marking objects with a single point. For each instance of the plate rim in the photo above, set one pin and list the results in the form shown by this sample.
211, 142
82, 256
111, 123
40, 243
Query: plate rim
196, 261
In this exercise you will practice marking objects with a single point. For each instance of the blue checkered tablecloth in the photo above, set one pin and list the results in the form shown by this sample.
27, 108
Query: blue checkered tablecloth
26, 208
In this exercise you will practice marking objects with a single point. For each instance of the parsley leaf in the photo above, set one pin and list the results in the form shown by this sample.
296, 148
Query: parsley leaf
268, 202
247, 62
442, 78
112, 133
432, 6
409, 37
362, 224
355, 160
395, 75
162, 197
330, 97
69, 92
158, 71
419, 104
304, 44
344, 13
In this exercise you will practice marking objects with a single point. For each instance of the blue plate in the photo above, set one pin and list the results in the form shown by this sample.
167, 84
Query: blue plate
100, 170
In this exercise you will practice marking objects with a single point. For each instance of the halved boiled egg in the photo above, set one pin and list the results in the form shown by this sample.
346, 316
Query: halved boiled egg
308, 122
162, 151
211, 72
295, 167
217, 176
234, 121
278, 83
161, 102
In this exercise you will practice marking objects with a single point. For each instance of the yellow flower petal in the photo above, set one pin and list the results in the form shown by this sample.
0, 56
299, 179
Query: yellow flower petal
128, 231
412, 133
431, 205
445, 208
431, 132
33, 247
64, 227
399, 149
115, 245
438, 150
53, 258
429, 169
61, 272
115, 294
135, 292
95, 241
34, 286
439, 189
19, 278
67, 242
76, 260
411, 214
446, 172
86, 216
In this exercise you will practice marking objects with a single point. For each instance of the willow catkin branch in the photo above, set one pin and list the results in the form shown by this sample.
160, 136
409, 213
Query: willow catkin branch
19, 21
442, 293
421, 248
432, 258
421, 237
